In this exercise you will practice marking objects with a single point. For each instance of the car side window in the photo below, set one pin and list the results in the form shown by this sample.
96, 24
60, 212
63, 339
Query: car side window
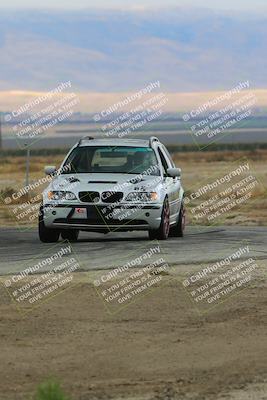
163, 162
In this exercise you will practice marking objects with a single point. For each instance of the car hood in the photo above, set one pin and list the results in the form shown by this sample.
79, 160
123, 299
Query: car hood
102, 181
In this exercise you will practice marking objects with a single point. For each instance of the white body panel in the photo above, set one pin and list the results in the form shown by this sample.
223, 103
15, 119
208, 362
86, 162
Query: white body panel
97, 212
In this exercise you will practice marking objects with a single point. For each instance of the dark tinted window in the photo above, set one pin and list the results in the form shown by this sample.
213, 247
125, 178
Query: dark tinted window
108, 159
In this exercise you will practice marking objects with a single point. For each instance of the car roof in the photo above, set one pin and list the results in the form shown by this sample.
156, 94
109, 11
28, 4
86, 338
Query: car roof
84, 142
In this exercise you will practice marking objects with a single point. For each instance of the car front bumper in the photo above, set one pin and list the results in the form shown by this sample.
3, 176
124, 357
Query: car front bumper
105, 218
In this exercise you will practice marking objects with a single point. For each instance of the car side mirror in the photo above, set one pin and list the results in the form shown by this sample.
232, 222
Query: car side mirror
50, 169
174, 172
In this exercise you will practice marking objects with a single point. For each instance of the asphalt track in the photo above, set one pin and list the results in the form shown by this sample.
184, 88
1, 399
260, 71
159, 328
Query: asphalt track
18, 249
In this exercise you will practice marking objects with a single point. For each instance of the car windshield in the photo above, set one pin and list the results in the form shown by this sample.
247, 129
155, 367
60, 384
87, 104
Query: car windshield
109, 159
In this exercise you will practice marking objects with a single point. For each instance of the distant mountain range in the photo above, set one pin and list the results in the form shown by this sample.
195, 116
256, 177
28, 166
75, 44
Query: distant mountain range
121, 51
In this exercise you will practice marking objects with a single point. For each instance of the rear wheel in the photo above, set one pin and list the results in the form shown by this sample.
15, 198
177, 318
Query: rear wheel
179, 228
70, 234
162, 232
46, 235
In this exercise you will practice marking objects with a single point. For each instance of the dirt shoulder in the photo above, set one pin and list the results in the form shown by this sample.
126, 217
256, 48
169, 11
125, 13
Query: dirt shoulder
159, 347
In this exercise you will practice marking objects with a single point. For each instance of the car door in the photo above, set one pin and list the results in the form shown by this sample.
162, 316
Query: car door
172, 185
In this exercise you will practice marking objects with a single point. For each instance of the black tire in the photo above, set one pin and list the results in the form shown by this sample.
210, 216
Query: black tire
179, 228
70, 234
46, 235
162, 232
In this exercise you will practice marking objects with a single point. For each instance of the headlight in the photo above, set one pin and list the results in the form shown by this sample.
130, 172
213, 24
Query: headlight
142, 196
60, 195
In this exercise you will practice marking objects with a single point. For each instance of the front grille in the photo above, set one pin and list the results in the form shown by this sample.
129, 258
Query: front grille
111, 197
89, 197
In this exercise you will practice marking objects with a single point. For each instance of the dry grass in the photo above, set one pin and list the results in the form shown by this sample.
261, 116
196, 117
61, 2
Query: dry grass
202, 166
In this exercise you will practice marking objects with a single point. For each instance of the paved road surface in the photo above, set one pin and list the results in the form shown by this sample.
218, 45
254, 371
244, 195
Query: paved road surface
96, 251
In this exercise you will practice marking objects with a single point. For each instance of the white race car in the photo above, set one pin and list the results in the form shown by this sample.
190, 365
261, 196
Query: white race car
106, 185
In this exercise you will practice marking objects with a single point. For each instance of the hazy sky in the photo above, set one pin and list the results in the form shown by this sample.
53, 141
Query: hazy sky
241, 5
188, 50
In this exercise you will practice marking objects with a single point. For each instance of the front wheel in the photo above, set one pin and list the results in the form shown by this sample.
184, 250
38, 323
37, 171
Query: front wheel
70, 234
179, 228
46, 235
162, 232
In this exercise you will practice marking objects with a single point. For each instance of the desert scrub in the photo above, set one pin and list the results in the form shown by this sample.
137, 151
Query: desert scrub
50, 390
